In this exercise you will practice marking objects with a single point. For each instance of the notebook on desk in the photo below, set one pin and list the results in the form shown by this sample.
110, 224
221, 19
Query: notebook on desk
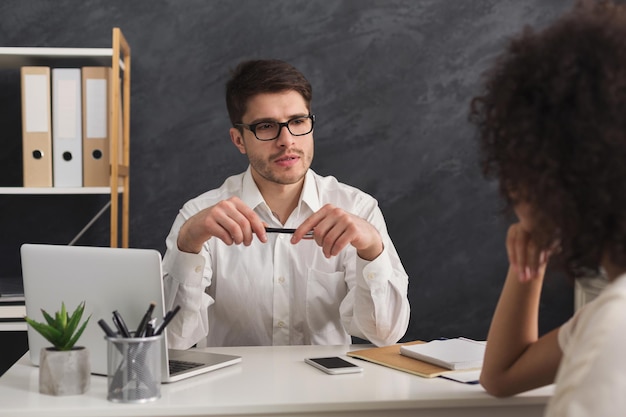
107, 279
458, 353
390, 356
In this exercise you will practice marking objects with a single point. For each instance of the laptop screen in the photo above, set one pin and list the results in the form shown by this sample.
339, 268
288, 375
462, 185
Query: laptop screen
107, 279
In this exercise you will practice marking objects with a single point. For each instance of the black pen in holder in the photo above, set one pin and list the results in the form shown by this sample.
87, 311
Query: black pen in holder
120, 324
141, 329
166, 320
134, 368
134, 358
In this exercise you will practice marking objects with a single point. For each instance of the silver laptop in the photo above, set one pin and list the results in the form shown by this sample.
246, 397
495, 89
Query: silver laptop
107, 279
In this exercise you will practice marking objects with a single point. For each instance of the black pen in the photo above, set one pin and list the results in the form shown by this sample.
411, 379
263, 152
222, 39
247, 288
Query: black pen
119, 323
141, 329
308, 234
109, 332
150, 327
279, 230
168, 317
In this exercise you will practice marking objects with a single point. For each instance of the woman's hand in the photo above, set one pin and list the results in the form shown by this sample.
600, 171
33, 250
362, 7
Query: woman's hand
526, 259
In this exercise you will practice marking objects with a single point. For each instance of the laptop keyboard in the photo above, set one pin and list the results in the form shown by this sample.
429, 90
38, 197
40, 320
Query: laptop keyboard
177, 366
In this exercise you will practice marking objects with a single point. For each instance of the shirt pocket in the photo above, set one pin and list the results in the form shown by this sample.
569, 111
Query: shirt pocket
325, 292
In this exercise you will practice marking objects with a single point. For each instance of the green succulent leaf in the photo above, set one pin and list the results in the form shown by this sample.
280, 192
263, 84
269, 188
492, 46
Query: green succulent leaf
71, 325
74, 339
48, 317
61, 330
63, 317
47, 331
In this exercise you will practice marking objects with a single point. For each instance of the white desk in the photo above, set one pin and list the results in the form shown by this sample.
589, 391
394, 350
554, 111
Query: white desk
275, 381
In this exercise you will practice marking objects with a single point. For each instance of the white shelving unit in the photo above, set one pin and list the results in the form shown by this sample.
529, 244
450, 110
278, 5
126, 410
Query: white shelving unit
15, 57
118, 58
61, 191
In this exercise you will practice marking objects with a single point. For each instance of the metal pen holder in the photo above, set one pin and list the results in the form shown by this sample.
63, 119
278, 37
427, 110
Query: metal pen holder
134, 369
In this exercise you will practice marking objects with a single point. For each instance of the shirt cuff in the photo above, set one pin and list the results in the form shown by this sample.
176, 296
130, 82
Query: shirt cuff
187, 268
376, 272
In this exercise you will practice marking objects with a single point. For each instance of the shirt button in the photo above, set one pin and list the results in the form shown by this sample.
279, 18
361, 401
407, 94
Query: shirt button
281, 236
281, 324
281, 280
198, 269
371, 276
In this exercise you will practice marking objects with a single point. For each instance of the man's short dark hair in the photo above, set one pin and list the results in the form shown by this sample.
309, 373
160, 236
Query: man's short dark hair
254, 77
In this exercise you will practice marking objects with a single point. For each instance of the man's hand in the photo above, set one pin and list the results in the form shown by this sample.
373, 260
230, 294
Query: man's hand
334, 229
229, 220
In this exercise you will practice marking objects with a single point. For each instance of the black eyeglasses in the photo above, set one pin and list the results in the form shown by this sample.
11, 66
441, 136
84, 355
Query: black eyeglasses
268, 130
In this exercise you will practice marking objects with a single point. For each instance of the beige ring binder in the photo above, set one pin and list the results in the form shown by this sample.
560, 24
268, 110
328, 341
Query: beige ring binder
36, 127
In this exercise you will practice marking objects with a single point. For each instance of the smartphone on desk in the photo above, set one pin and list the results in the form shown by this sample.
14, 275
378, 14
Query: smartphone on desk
334, 365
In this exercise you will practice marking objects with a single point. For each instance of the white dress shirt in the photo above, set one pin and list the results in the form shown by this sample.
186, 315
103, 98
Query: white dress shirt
278, 293
591, 380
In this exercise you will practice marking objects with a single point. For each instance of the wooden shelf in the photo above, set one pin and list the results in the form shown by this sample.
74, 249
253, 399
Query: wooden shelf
57, 190
118, 58
15, 57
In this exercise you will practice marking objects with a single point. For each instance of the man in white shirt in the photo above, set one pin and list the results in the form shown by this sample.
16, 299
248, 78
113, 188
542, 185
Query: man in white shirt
238, 284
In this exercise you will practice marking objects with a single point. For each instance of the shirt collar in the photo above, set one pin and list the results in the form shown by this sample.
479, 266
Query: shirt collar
251, 195
310, 195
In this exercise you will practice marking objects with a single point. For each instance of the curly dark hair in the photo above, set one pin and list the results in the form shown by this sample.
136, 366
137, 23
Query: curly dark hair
552, 129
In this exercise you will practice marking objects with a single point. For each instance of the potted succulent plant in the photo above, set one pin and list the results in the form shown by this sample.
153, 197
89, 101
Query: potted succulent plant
64, 368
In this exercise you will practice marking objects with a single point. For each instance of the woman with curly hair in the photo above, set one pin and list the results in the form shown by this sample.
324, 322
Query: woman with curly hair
552, 130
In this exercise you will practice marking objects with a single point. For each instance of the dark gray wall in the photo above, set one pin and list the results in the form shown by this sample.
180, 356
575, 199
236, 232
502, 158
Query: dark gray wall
392, 81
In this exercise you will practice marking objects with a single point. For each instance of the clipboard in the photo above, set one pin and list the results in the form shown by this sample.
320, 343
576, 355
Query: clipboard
390, 357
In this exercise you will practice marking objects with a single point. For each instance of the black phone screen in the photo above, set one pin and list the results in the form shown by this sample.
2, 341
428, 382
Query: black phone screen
333, 362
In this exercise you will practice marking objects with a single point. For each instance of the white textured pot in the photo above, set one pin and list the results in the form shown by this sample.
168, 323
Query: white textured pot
64, 372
